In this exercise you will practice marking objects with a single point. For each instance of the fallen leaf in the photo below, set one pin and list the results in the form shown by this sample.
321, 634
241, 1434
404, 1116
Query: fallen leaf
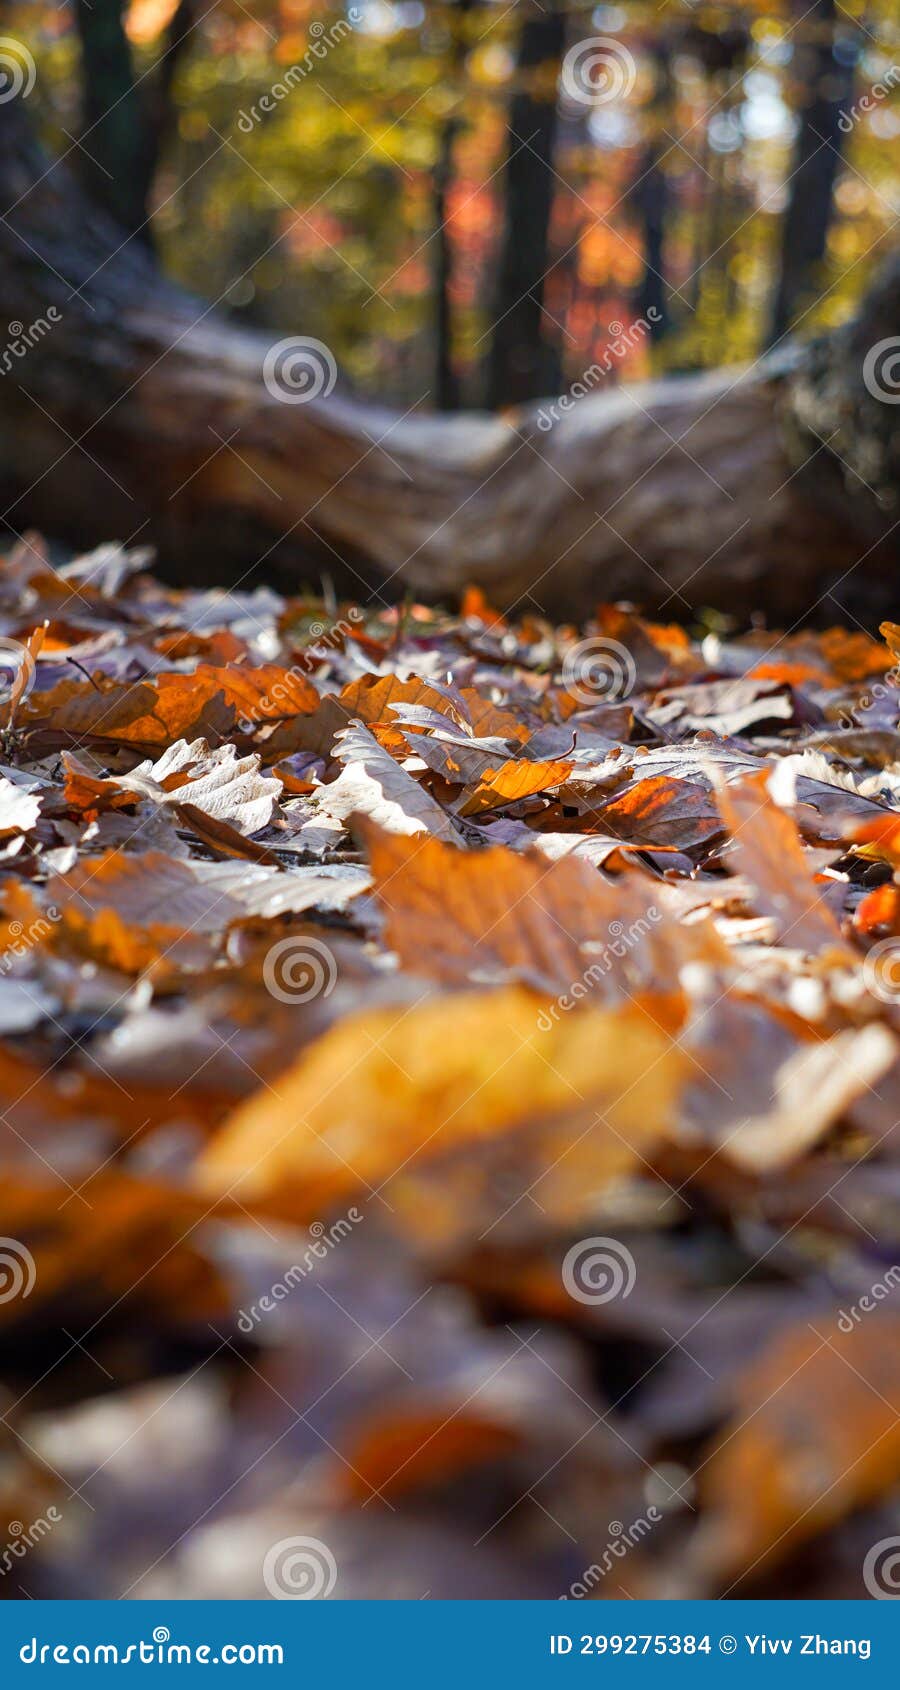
763, 1096
227, 788
19, 808
497, 915
212, 703
662, 811
384, 1088
816, 1433
768, 850
513, 780
371, 784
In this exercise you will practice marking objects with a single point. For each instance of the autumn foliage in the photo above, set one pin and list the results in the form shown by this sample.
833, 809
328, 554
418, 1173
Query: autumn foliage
414, 965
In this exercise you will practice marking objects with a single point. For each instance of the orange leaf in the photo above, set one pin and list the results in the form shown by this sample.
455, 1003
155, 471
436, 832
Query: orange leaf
515, 779
880, 839
475, 605
816, 1434
499, 915
879, 911
662, 811
367, 700
769, 851
211, 703
383, 1090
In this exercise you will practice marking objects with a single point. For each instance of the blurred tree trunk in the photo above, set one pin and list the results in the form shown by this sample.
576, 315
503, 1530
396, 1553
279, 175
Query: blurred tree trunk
124, 123
521, 365
131, 410
116, 154
824, 88
447, 392
162, 104
650, 196
723, 54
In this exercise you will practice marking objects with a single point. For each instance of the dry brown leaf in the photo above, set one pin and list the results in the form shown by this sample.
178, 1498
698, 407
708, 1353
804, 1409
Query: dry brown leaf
499, 915
662, 811
488, 721
815, 1434
19, 807
211, 703
32, 645
227, 788
122, 1241
384, 1088
763, 1095
879, 911
221, 838
879, 839
515, 779
367, 700
371, 784
768, 850
152, 910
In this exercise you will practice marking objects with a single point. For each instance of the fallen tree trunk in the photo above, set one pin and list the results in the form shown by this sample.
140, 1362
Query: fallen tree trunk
137, 412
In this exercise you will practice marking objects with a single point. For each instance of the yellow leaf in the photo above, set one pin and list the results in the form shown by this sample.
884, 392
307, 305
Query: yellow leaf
387, 1093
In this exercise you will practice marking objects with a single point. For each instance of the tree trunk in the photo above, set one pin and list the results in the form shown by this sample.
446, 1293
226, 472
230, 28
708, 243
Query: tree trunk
521, 365
825, 86
116, 155
129, 409
650, 195
447, 392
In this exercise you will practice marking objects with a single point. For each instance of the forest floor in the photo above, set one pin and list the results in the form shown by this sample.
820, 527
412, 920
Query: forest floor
451, 1100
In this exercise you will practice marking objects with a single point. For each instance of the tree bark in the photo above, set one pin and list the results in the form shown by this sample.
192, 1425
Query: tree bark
522, 365
447, 389
116, 157
650, 196
139, 413
825, 87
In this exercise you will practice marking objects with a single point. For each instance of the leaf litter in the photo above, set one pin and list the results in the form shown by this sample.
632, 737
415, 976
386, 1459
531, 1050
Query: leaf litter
450, 1095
